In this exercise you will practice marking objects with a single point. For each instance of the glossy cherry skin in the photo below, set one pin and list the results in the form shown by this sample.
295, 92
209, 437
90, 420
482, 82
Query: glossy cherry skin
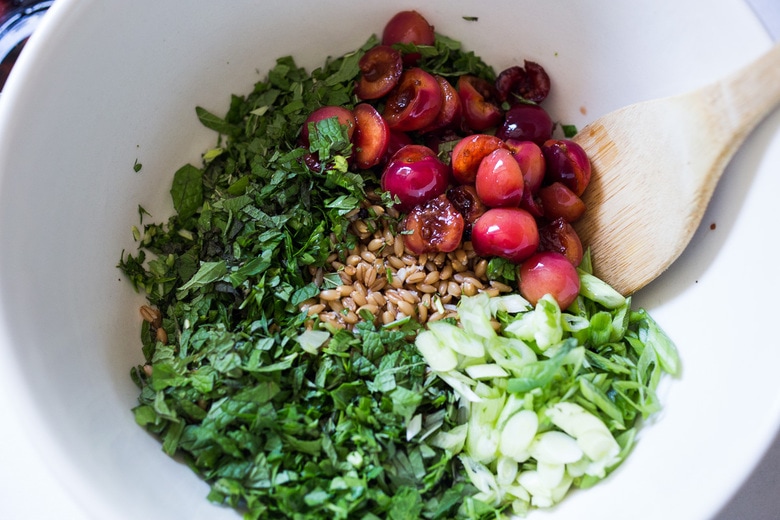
558, 201
468, 153
500, 180
451, 112
409, 27
344, 115
372, 136
550, 273
415, 175
510, 233
531, 160
480, 111
415, 102
434, 226
380, 70
526, 122
567, 163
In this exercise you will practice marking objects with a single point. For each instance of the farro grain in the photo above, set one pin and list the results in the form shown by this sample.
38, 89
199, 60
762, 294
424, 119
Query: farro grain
502, 287
369, 277
473, 281
379, 284
349, 303
480, 269
373, 309
426, 288
376, 244
395, 262
398, 246
358, 298
415, 277
330, 295
378, 299
408, 296
161, 336
381, 278
422, 312
315, 309
406, 308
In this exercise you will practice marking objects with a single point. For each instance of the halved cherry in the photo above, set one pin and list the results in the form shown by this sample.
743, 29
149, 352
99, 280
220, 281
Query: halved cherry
433, 227
477, 96
469, 152
344, 115
510, 233
467, 202
380, 69
531, 160
408, 27
531, 83
567, 162
414, 175
549, 273
531, 203
415, 102
559, 201
396, 141
561, 237
451, 109
371, 138
500, 180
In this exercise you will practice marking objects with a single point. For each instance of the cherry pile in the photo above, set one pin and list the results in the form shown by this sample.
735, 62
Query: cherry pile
502, 182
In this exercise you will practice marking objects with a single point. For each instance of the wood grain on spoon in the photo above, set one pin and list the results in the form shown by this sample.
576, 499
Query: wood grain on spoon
655, 167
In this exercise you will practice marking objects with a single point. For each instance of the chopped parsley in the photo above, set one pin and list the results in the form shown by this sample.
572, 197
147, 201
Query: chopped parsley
277, 423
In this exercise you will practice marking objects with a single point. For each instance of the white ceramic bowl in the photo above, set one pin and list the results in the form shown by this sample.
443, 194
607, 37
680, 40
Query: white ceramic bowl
106, 84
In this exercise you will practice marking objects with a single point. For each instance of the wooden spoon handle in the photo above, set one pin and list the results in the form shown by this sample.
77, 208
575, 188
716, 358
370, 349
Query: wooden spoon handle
742, 100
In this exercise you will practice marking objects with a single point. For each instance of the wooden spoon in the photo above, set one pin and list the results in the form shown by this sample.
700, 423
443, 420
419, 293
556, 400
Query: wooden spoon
655, 165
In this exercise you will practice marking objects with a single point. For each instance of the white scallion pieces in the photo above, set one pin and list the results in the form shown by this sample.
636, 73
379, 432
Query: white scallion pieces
553, 396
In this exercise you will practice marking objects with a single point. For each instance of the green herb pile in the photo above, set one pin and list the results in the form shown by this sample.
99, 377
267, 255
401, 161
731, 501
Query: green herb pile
281, 429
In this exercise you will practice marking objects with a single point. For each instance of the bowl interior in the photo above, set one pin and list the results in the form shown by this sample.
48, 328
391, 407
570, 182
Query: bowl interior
104, 86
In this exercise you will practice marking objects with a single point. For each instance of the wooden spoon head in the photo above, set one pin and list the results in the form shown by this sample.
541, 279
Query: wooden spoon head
642, 210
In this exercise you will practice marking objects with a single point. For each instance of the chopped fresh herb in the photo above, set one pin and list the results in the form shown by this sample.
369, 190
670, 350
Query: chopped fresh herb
137, 166
288, 417
282, 421
569, 131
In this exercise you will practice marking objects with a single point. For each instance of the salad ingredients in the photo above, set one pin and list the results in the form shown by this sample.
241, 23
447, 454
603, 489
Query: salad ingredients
435, 226
510, 233
549, 272
380, 69
333, 327
500, 181
554, 398
415, 175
